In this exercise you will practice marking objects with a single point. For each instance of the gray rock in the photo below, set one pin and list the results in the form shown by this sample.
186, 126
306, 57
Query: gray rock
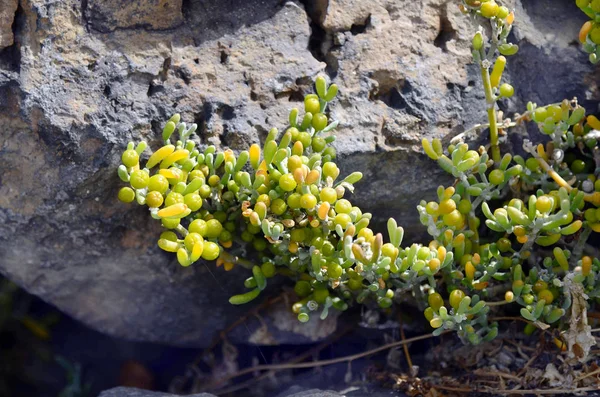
109, 15
297, 391
8, 8
132, 392
88, 76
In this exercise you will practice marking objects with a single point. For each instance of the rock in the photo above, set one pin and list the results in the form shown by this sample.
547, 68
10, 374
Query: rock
297, 391
83, 81
8, 8
109, 15
131, 392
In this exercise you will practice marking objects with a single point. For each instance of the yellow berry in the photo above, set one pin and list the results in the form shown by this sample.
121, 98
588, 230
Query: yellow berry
455, 297
489, 9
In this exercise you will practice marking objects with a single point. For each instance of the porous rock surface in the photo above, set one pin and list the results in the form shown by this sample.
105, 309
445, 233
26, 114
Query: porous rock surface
132, 392
79, 79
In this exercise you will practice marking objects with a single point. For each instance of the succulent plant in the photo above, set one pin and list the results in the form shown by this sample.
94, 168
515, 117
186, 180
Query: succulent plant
509, 231
589, 35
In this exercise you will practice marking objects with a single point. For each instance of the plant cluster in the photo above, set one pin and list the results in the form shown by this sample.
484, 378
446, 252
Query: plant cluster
511, 230
589, 35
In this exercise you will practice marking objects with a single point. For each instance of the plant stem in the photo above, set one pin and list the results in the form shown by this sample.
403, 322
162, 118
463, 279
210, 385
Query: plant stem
491, 111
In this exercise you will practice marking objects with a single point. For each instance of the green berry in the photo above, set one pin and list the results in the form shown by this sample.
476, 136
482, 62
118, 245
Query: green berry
278, 206
532, 164
432, 208
126, 195
297, 235
464, 206
211, 251
489, 9
287, 183
173, 198
582, 3
320, 295
329, 151
305, 139
204, 191
578, 166
191, 239
225, 236
293, 201
330, 170
502, 12
455, 297
195, 174
139, 179
540, 114
302, 288
312, 104
429, 313
454, 218
198, 226
170, 223
503, 244
343, 206
259, 244
293, 163
334, 270
319, 121
193, 201
130, 158
308, 201
268, 269
435, 301
595, 34
496, 177
507, 90
343, 220
213, 228
158, 183
154, 199
318, 143
329, 195
543, 204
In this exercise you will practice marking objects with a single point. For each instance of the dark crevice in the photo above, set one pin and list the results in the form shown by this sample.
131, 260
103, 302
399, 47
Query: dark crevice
184, 74
262, 133
201, 119
319, 43
224, 57
164, 71
10, 57
446, 32
154, 89
156, 85
296, 96
400, 96
296, 91
360, 28
85, 15
223, 137
226, 112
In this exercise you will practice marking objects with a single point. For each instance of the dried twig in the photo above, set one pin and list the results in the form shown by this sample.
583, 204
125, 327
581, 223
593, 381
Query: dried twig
319, 363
